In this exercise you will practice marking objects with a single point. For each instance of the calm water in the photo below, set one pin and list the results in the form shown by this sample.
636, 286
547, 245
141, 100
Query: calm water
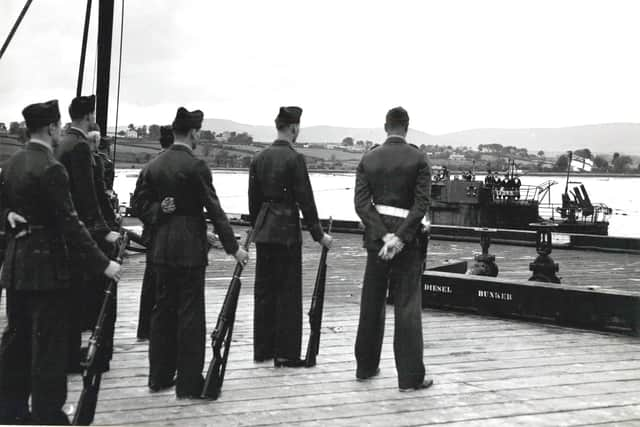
334, 194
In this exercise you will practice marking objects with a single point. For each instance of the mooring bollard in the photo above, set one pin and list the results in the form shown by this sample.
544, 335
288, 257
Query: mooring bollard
544, 269
485, 264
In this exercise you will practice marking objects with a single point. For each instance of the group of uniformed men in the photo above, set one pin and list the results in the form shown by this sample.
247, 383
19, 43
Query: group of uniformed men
56, 257
506, 188
60, 233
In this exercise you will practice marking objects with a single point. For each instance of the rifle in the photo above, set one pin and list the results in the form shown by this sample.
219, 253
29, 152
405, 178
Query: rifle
317, 303
221, 335
91, 375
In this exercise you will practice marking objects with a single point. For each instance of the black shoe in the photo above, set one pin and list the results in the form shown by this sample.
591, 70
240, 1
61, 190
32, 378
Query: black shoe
155, 387
360, 376
24, 419
191, 397
425, 384
288, 363
266, 359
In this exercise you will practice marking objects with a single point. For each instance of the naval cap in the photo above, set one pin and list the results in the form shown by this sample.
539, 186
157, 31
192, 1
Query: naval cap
186, 120
81, 106
288, 115
41, 114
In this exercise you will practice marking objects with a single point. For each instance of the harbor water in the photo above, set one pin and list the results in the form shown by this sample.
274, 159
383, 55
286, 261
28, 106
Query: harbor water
334, 194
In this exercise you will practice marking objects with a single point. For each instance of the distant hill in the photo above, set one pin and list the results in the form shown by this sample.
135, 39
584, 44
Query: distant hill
311, 134
601, 138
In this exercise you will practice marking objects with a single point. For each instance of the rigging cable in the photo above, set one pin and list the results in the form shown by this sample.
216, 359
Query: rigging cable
115, 136
83, 49
95, 74
15, 27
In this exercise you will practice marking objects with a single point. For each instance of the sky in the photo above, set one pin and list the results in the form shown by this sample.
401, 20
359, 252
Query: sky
453, 64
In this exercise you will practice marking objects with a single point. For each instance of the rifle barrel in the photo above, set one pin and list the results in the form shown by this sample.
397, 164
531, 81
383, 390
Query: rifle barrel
317, 303
223, 332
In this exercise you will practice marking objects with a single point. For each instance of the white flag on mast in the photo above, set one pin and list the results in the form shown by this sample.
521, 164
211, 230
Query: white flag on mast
580, 164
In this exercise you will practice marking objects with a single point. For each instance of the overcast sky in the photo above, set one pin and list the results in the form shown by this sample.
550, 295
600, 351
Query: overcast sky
453, 65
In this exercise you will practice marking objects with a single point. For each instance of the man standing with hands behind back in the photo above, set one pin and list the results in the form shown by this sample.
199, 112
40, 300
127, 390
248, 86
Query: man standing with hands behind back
170, 196
393, 184
279, 187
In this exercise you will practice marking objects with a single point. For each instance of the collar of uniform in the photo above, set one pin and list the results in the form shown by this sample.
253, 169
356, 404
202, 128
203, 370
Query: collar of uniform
281, 142
80, 131
181, 146
37, 143
396, 138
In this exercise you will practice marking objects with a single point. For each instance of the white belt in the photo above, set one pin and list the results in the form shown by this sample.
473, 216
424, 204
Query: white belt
399, 213
392, 211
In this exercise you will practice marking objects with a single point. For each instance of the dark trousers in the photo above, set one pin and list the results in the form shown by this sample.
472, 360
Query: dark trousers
147, 301
33, 357
86, 299
403, 271
177, 339
277, 316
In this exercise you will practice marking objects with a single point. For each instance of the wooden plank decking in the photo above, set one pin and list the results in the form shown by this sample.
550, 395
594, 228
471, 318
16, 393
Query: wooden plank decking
487, 371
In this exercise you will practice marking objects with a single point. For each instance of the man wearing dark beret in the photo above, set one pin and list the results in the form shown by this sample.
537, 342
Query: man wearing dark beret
393, 184
171, 194
75, 155
38, 213
104, 150
166, 137
93, 296
279, 187
147, 298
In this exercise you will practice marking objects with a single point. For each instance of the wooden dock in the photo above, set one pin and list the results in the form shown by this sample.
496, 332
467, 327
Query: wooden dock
487, 371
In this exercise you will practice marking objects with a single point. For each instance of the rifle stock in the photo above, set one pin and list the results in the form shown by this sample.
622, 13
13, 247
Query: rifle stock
317, 305
221, 335
91, 376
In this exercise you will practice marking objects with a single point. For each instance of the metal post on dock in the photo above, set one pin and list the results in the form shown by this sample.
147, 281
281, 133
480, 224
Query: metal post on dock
485, 264
544, 269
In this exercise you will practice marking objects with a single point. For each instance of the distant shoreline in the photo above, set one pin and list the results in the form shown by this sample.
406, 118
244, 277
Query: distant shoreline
351, 171
10, 144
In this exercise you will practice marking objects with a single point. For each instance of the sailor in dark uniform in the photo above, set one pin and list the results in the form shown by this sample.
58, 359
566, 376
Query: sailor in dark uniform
42, 224
104, 150
506, 186
170, 196
393, 185
95, 293
147, 299
279, 187
488, 180
497, 184
516, 186
100, 178
75, 155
